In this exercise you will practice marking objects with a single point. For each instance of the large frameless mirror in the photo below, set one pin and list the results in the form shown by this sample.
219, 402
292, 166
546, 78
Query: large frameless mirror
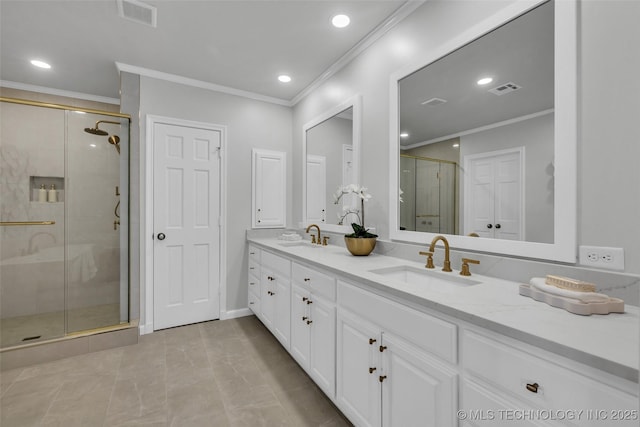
483, 138
330, 159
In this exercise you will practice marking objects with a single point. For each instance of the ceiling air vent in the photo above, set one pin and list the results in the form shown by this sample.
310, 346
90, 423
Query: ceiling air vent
433, 102
505, 88
137, 11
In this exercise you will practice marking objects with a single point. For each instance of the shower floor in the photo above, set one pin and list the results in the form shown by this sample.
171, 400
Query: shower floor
48, 326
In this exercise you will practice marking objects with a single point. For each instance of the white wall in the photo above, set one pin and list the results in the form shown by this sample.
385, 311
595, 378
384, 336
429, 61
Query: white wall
250, 124
608, 177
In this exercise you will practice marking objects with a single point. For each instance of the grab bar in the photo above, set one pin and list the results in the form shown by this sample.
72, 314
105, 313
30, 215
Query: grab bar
12, 223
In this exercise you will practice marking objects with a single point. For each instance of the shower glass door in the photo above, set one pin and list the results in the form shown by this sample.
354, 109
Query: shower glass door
96, 220
32, 235
64, 180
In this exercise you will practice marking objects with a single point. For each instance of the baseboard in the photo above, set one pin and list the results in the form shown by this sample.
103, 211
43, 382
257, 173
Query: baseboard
146, 328
232, 314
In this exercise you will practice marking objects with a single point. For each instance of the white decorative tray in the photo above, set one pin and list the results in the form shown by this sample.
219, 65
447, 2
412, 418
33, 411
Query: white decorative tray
614, 305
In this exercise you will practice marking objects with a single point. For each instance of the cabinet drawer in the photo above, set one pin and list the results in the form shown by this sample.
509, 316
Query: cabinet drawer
254, 253
512, 369
254, 284
483, 407
433, 335
319, 283
254, 267
254, 303
275, 263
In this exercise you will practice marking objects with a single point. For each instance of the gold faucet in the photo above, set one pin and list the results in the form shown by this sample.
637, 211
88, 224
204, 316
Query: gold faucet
313, 238
432, 248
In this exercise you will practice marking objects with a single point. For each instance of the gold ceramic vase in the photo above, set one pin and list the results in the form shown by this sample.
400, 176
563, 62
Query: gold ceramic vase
360, 246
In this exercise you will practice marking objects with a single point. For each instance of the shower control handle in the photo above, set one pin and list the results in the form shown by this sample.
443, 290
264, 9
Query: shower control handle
161, 236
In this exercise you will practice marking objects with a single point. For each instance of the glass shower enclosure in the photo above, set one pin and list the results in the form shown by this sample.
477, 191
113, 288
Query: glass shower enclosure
428, 195
64, 181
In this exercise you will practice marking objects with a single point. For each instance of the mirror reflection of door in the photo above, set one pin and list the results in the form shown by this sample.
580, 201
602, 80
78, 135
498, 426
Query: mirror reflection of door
494, 194
316, 188
331, 140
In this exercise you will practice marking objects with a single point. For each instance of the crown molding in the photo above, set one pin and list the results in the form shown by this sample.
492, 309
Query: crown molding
174, 78
58, 92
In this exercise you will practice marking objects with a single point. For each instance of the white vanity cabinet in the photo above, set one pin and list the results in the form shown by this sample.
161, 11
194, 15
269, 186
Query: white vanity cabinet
388, 372
253, 280
313, 325
385, 359
503, 375
275, 295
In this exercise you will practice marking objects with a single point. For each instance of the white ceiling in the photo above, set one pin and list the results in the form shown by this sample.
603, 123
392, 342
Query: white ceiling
238, 44
521, 52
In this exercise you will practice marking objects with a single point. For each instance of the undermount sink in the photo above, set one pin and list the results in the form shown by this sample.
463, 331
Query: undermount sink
299, 243
423, 277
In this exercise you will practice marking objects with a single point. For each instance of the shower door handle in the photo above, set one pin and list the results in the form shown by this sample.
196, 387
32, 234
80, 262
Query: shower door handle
161, 236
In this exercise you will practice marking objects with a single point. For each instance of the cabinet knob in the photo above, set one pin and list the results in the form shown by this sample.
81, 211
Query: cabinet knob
304, 318
304, 298
309, 302
271, 293
533, 388
271, 278
498, 226
306, 279
383, 348
309, 322
489, 225
371, 341
372, 370
382, 377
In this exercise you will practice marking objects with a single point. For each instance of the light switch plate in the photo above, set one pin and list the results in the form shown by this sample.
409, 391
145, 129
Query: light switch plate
602, 257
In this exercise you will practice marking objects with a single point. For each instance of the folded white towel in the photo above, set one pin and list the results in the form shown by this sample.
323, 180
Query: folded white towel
586, 297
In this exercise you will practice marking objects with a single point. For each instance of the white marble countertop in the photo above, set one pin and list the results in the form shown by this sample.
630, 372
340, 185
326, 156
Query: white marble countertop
607, 342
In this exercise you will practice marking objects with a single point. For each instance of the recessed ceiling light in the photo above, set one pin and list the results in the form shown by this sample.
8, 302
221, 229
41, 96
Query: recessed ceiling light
404, 135
340, 21
40, 64
92, 145
284, 78
456, 145
485, 81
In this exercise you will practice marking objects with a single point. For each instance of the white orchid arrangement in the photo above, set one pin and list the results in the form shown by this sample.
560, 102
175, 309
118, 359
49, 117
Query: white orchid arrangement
361, 192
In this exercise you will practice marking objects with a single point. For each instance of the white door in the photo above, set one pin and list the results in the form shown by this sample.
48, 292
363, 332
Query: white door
416, 391
316, 189
269, 189
300, 331
322, 362
494, 194
358, 370
186, 206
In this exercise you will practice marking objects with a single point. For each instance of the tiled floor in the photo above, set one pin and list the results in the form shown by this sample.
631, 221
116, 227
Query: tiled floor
214, 374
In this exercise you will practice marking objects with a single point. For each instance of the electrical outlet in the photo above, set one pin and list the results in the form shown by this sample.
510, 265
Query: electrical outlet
602, 257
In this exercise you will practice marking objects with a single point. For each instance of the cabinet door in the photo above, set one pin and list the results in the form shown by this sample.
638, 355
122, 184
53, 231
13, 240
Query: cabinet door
417, 390
269, 189
300, 329
267, 298
358, 369
282, 315
323, 344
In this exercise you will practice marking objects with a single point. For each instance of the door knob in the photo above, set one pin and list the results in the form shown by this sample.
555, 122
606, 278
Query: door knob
161, 236
498, 226
489, 225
